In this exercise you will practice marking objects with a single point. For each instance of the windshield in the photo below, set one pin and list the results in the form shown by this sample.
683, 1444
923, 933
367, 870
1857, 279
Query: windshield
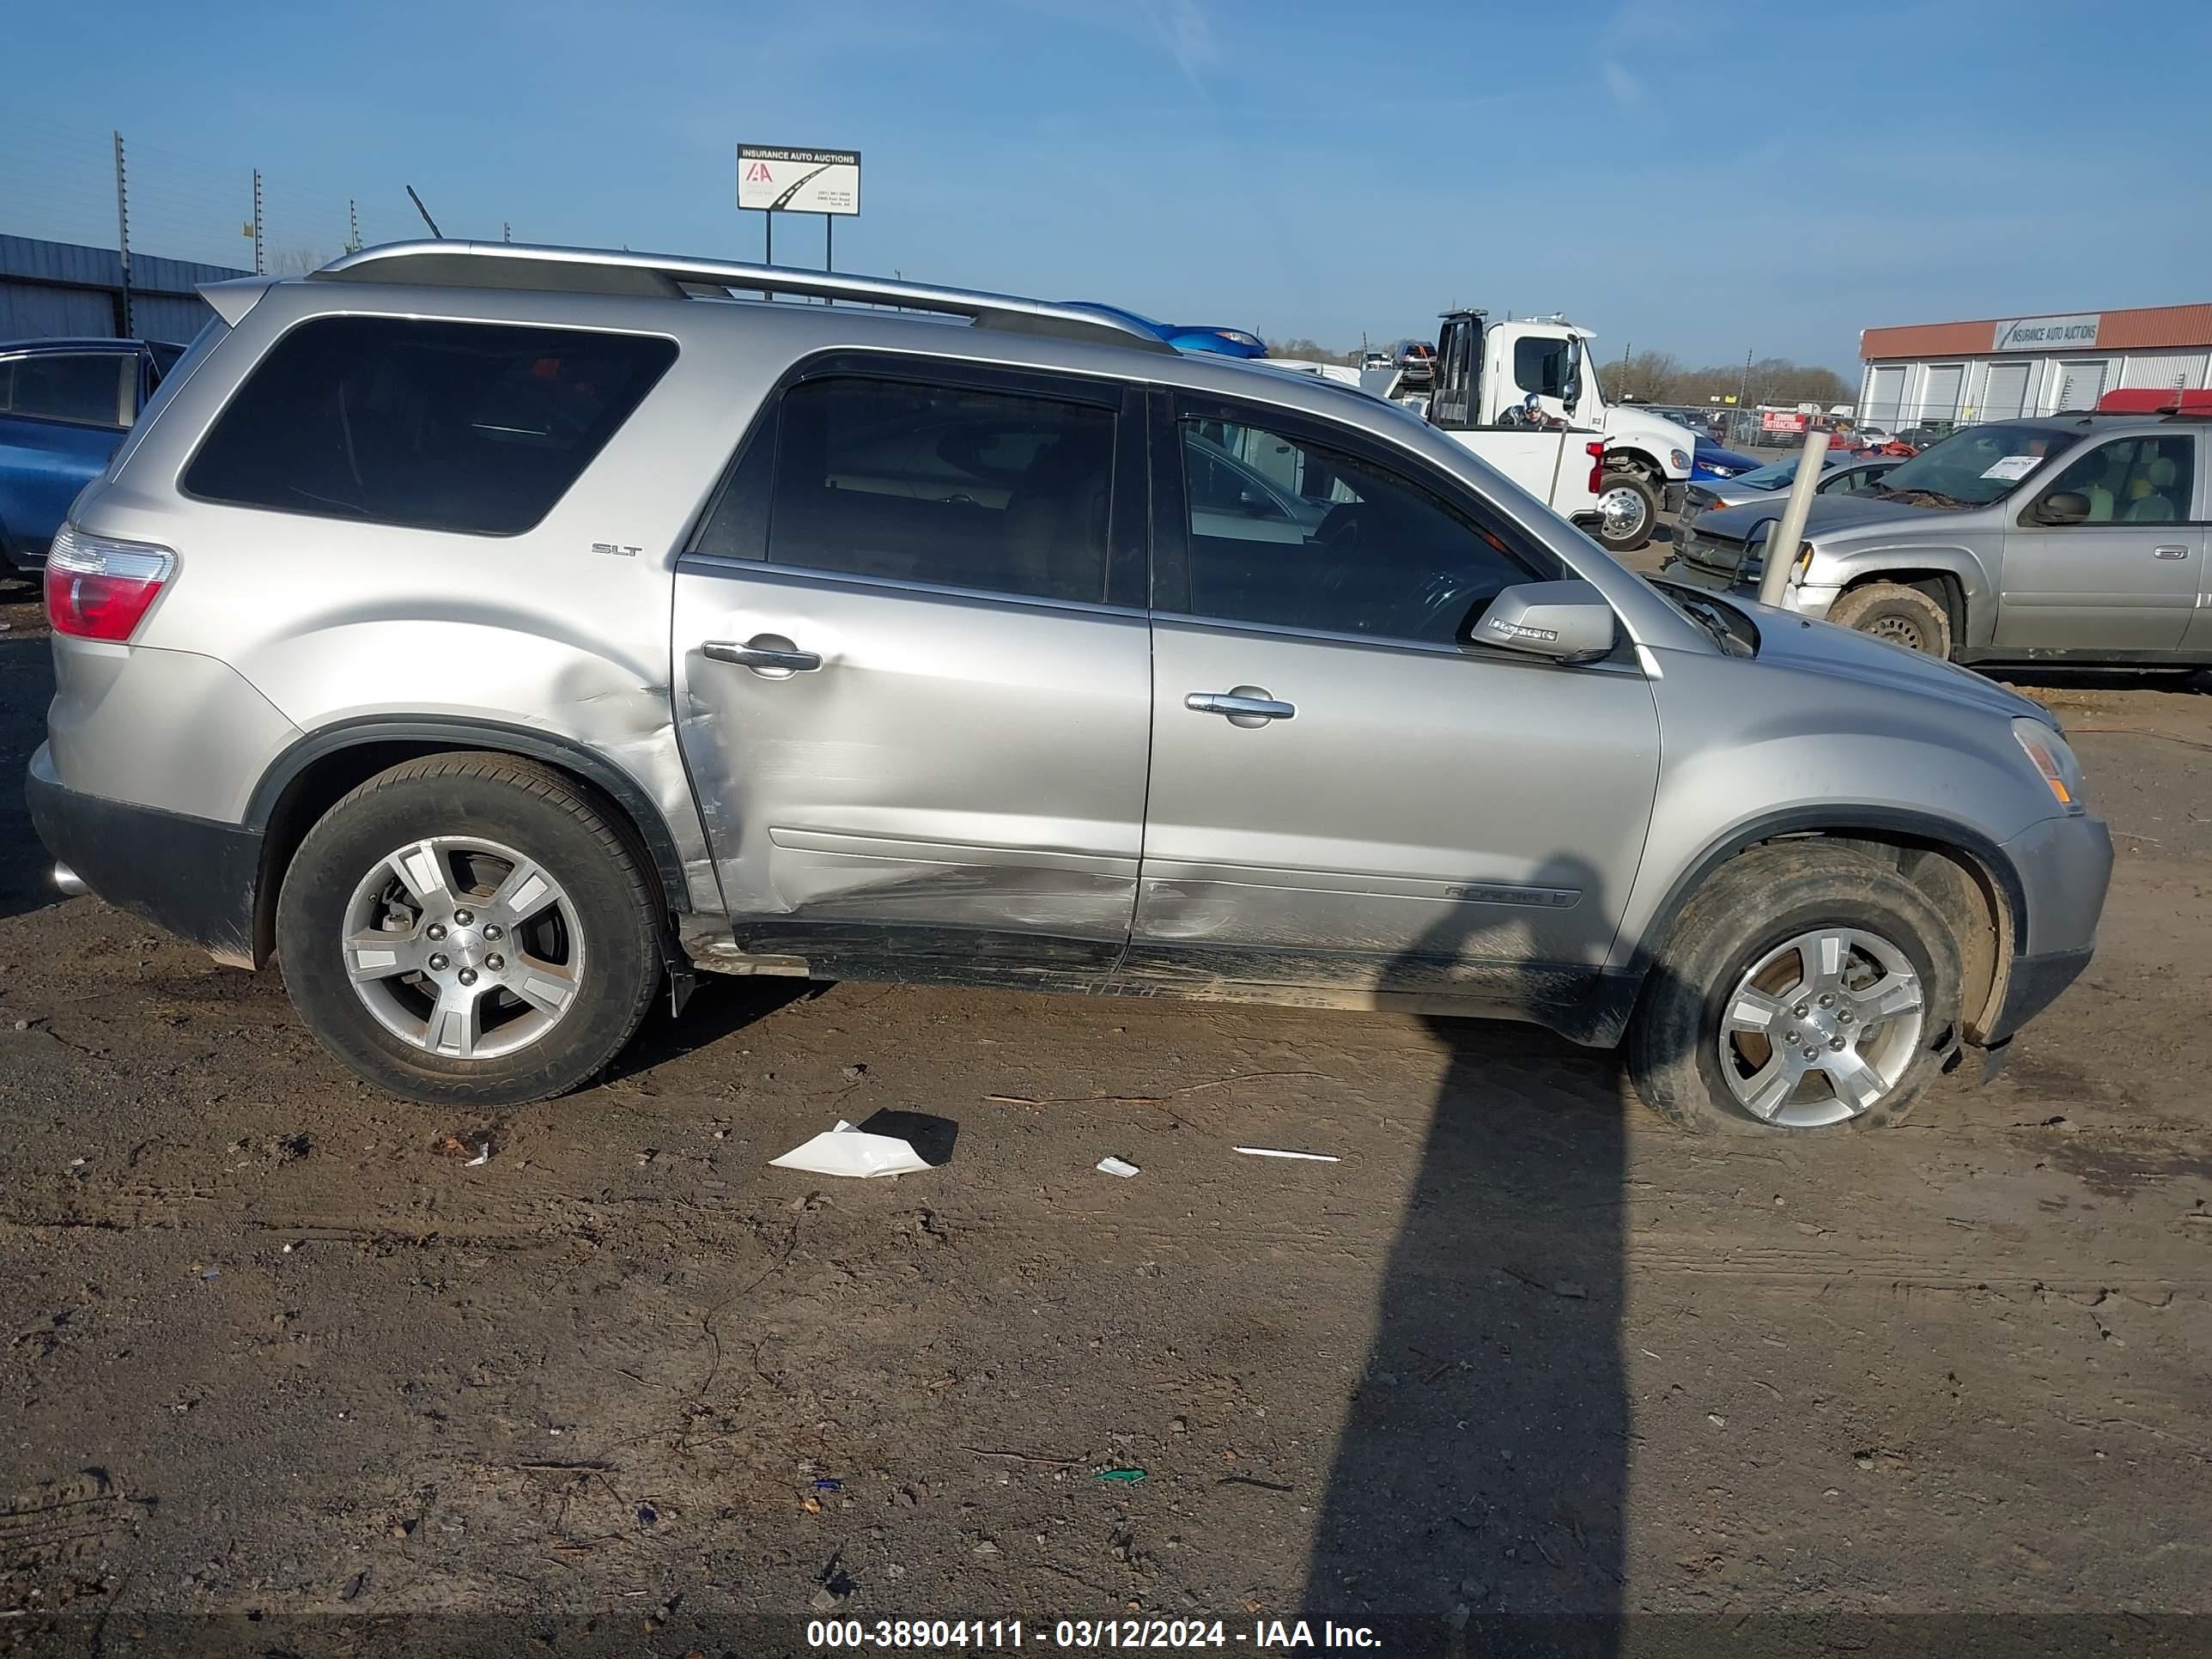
1978, 465
1775, 475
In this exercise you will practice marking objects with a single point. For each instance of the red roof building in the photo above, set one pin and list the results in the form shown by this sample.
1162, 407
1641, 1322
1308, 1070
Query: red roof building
1955, 373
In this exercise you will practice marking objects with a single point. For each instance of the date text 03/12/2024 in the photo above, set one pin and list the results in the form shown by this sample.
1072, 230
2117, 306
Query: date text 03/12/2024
924, 1635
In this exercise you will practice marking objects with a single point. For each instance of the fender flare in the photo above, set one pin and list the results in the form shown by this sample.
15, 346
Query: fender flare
1893, 563
1837, 820
459, 732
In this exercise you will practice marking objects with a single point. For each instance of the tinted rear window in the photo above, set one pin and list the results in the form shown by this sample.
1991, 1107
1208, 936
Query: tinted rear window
472, 427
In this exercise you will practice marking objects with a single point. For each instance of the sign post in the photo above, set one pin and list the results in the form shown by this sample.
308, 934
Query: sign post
774, 178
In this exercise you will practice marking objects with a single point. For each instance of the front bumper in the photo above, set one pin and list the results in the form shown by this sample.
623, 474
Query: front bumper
191, 877
2064, 866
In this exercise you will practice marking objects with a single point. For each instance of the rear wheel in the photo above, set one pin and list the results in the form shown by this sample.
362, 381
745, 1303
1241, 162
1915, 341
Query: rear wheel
468, 929
1904, 615
1807, 986
1628, 512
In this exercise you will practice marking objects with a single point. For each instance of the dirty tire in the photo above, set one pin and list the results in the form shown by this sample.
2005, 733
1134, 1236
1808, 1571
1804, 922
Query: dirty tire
518, 804
1641, 535
1750, 906
1903, 616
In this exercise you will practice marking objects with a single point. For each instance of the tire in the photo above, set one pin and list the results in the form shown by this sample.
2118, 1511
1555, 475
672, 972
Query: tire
556, 984
1904, 615
1628, 528
1761, 904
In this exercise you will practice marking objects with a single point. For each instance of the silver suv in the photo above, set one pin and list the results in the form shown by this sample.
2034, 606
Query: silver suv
2070, 539
497, 635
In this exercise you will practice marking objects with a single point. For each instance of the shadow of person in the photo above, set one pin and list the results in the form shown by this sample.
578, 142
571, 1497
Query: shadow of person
1479, 1483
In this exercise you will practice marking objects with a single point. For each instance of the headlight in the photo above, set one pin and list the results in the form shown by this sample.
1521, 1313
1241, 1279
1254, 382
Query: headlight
1802, 562
2060, 771
1678, 460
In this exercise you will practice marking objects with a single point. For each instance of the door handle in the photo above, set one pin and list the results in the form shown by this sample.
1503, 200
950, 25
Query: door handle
771, 656
2169, 552
1244, 705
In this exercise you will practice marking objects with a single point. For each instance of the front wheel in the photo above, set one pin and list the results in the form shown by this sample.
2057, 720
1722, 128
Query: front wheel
469, 930
1903, 616
1628, 512
1807, 987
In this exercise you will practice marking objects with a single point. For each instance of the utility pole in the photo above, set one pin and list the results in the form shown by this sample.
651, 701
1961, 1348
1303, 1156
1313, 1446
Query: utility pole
352, 226
123, 237
506, 231
1743, 387
258, 270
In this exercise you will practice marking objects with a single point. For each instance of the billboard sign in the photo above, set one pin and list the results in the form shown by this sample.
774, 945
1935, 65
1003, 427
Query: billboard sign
1781, 420
779, 180
2041, 333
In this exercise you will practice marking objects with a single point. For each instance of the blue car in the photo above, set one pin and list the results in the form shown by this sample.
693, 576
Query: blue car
1712, 463
64, 407
1188, 336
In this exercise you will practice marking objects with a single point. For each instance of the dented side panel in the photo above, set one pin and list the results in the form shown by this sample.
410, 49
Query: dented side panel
957, 761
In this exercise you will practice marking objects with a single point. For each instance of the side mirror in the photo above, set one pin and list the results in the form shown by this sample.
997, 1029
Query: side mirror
1251, 503
1567, 622
2064, 507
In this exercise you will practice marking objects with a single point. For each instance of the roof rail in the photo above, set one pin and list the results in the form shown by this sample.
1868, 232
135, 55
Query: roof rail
661, 275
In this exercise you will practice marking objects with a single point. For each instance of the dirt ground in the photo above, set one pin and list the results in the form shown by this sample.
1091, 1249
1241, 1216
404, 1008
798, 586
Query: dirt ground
283, 1370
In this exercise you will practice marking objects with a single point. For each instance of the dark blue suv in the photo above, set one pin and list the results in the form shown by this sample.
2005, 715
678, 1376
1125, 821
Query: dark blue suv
64, 407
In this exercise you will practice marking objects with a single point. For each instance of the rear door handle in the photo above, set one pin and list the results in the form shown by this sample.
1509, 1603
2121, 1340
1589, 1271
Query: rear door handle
2169, 552
1244, 705
771, 656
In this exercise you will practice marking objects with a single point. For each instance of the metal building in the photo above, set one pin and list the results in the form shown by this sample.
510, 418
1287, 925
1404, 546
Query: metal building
1956, 374
64, 290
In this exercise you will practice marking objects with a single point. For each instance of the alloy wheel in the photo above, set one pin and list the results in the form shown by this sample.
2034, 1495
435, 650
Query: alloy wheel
463, 947
1821, 1027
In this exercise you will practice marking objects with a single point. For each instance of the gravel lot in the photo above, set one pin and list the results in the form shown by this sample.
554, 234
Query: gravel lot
284, 1372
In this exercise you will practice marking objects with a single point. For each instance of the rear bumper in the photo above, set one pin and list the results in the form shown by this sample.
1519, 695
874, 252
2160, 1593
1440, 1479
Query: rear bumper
190, 876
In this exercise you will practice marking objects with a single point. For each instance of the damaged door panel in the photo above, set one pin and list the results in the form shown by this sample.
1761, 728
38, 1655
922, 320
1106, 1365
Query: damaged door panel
917, 728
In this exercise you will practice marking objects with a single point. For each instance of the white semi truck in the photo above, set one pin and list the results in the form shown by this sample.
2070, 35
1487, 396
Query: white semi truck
1619, 462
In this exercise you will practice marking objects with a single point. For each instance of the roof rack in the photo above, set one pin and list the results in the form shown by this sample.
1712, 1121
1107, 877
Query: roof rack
673, 276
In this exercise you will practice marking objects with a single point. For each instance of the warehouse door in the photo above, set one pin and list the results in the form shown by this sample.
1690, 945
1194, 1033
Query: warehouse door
2005, 398
2080, 384
1885, 397
1939, 399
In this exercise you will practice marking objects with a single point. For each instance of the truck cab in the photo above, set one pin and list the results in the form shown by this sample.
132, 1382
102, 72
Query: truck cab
1488, 373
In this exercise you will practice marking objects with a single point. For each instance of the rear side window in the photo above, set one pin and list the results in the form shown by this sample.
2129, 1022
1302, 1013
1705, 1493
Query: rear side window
85, 388
944, 485
472, 427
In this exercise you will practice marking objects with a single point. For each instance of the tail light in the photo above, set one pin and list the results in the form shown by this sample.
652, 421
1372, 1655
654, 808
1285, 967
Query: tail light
1596, 453
99, 588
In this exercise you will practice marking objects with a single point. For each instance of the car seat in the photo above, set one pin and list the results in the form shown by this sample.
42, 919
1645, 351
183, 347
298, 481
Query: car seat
2151, 493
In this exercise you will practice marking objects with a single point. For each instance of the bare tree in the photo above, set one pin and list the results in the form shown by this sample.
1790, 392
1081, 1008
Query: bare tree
298, 261
1649, 376
1312, 351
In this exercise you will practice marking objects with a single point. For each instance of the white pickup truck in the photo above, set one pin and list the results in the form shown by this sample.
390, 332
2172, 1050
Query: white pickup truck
1619, 463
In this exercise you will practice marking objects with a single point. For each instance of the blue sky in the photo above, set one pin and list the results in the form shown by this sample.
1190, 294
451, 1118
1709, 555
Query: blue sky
1699, 176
